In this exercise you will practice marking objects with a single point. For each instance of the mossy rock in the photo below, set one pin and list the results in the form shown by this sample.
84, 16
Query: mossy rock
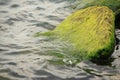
89, 30
114, 5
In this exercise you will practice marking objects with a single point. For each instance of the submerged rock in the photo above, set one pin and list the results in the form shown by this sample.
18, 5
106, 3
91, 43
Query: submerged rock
90, 31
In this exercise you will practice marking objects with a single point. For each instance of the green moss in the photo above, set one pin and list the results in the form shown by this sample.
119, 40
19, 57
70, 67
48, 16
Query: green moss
49, 33
57, 62
55, 53
90, 31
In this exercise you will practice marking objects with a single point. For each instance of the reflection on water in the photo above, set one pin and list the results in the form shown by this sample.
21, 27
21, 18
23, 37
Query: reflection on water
23, 57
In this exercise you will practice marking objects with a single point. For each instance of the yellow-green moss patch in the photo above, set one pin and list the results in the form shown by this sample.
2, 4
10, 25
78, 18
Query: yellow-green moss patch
90, 31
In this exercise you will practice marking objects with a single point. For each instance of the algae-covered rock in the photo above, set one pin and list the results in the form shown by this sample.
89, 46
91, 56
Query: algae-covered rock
90, 31
114, 5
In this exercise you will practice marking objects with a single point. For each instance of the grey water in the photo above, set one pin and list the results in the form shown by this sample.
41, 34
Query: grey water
23, 56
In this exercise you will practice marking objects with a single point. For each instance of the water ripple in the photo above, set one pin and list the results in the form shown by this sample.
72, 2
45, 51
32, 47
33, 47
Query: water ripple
24, 57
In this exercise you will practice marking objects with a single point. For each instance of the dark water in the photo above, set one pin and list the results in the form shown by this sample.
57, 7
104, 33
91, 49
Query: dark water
23, 57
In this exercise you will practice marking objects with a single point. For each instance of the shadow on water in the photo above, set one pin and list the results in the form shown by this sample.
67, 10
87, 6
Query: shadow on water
4, 78
117, 20
15, 6
4, 2
45, 25
103, 62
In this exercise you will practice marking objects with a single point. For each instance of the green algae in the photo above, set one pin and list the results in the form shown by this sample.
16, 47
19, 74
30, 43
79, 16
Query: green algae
90, 31
49, 33
114, 5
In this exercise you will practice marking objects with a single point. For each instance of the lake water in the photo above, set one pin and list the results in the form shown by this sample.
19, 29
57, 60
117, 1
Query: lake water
23, 57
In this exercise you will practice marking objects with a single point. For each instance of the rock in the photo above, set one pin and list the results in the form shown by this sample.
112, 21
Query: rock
90, 31
112, 4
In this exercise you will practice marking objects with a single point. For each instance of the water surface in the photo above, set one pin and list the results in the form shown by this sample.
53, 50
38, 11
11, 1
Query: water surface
23, 57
